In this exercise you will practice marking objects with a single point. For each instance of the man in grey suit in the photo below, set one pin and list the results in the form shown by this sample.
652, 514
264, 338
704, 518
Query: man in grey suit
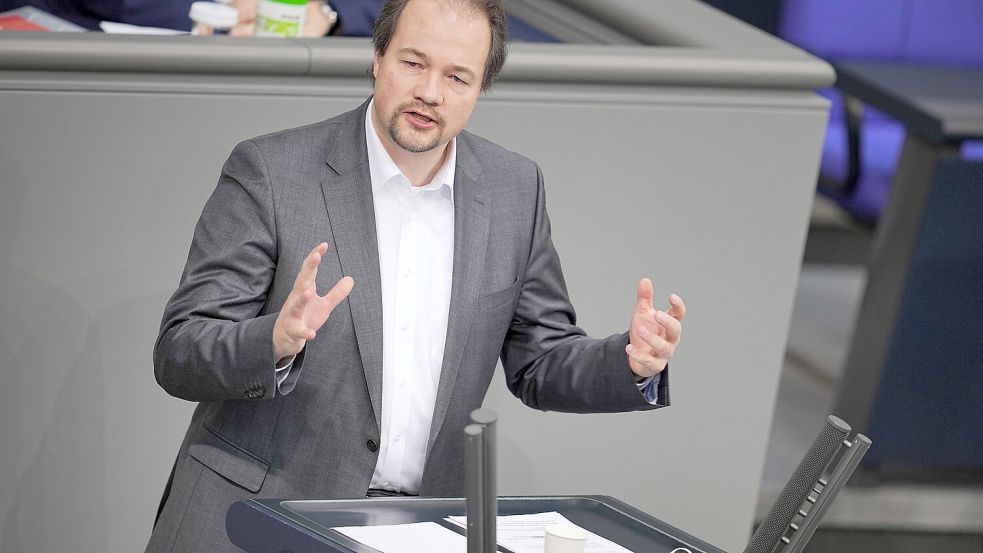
436, 247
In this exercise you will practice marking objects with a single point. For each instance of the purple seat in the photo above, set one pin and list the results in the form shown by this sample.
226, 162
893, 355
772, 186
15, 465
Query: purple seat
916, 31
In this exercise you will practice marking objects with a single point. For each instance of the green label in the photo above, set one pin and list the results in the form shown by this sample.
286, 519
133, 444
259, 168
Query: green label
277, 26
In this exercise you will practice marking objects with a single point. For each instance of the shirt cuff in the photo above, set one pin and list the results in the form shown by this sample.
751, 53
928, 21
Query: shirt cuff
650, 388
282, 372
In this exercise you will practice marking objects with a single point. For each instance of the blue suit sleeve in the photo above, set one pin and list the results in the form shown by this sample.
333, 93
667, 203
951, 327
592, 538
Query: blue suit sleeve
356, 17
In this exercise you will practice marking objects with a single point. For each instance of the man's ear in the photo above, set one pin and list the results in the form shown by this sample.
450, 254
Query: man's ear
376, 60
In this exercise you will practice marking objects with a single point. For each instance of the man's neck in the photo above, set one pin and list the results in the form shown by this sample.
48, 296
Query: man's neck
419, 168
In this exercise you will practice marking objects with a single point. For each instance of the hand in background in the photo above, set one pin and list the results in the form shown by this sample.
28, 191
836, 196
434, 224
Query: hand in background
653, 335
304, 311
247, 17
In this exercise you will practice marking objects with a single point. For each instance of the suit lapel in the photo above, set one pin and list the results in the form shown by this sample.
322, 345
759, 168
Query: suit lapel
347, 190
471, 220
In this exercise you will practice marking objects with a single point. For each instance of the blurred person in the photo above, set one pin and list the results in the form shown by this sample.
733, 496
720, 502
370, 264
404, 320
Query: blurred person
353, 17
434, 248
169, 14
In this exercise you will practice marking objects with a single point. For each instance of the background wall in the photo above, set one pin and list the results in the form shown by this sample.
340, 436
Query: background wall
101, 182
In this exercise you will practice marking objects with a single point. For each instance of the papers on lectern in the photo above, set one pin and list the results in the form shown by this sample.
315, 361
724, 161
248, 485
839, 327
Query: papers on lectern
418, 537
517, 533
526, 533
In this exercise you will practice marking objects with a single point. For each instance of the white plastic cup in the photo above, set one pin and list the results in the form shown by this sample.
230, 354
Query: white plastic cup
211, 18
565, 538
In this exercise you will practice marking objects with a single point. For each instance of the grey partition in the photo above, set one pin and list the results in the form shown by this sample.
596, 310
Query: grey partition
692, 162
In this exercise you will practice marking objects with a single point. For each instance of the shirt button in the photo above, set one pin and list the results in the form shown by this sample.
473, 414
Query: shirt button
397, 438
406, 273
372, 445
402, 383
405, 327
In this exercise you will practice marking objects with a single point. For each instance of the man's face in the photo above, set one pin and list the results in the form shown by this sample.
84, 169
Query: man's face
427, 82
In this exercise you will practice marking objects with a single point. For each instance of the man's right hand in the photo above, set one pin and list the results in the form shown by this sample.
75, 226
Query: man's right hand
304, 311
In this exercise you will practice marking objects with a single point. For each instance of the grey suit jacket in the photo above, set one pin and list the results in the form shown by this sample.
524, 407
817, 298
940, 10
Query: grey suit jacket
280, 195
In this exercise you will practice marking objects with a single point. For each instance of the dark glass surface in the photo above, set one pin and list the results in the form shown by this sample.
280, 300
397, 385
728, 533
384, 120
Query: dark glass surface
606, 517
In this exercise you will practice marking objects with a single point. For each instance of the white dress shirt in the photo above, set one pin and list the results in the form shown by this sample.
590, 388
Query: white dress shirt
415, 230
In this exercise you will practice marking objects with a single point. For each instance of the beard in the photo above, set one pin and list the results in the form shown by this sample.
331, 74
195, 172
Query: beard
410, 140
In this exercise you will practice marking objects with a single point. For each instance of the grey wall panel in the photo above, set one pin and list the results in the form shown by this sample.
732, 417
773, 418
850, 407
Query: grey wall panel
706, 191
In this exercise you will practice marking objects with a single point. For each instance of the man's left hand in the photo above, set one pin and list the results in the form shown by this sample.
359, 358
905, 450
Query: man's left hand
653, 335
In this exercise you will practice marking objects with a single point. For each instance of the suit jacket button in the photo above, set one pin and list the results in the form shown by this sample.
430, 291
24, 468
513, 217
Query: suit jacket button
372, 445
260, 391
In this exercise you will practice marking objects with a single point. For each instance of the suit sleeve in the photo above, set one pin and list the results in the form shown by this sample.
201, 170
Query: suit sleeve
213, 343
550, 363
356, 17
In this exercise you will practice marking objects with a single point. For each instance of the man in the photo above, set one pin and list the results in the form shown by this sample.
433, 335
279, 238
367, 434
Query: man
436, 247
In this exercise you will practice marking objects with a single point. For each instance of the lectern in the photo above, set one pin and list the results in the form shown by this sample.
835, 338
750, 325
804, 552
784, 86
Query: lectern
275, 526
285, 526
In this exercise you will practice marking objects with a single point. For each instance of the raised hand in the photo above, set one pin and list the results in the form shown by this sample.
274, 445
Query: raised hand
304, 311
653, 335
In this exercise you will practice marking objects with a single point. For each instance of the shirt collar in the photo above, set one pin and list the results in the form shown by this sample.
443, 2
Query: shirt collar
383, 169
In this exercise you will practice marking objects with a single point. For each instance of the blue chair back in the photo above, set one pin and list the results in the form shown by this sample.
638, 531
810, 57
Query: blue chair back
946, 32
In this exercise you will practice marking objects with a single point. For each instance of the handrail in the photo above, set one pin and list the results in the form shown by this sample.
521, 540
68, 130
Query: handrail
755, 67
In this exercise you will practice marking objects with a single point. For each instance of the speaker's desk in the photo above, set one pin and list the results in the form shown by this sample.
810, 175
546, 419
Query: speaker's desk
278, 526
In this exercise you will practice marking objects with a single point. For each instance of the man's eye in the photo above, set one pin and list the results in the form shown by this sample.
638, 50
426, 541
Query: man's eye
458, 80
411, 64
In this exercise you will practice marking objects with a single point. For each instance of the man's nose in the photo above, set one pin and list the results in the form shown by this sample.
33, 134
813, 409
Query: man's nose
428, 90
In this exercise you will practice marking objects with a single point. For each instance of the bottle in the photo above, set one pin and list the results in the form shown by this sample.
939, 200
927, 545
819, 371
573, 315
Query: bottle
212, 19
283, 18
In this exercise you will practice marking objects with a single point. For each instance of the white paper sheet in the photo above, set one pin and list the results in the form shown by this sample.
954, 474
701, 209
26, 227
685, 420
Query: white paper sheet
111, 27
418, 537
527, 534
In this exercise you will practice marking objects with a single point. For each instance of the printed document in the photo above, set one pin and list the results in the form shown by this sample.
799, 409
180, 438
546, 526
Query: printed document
417, 537
526, 533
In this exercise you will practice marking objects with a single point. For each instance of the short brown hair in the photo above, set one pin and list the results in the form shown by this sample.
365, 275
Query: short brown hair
385, 28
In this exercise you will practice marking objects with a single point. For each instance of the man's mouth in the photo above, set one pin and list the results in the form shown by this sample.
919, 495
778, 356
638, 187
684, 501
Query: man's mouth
420, 120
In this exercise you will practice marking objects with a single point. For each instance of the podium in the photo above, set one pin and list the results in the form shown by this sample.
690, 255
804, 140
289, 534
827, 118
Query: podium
305, 526
279, 526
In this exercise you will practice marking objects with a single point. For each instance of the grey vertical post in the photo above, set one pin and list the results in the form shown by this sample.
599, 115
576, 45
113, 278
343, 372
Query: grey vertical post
474, 490
485, 419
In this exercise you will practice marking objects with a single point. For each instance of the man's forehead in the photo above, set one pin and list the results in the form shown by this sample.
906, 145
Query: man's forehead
463, 7
464, 13
430, 28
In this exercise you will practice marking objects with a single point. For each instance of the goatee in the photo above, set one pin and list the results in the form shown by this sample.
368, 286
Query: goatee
404, 141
